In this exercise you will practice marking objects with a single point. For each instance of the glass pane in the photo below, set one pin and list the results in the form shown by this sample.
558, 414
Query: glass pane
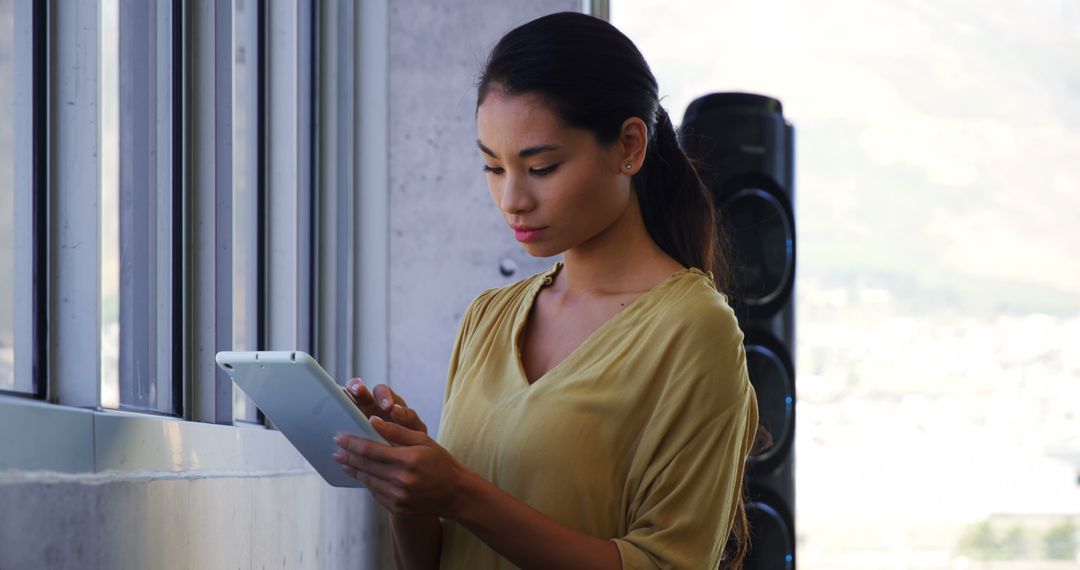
245, 190
110, 206
7, 195
938, 294
138, 241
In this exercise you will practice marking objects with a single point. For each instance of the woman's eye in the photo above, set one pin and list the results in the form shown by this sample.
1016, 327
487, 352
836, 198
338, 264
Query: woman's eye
493, 169
544, 171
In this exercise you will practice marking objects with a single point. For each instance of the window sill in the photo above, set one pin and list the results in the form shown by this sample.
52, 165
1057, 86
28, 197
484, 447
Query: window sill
63, 441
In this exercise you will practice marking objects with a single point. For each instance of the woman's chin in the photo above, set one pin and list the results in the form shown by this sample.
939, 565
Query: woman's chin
540, 250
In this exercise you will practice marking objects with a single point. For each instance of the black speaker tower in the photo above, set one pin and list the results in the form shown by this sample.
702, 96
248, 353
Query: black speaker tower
744, 150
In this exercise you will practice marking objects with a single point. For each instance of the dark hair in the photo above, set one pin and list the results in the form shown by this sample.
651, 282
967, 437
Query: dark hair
594, 78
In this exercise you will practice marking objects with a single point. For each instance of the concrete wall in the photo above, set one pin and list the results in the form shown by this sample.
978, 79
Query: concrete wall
288, 521
447, 237
87, 489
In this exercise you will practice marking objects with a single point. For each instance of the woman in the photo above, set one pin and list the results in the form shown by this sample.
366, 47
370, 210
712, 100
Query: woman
598, 414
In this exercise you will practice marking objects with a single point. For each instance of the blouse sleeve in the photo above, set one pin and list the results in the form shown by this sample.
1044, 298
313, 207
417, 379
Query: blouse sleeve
688, 470
684, 513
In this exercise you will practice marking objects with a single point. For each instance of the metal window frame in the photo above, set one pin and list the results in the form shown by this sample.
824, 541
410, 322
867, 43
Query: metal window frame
371, 266
326, 108
74, 248
345, 191
282, 247
179, 203
262, 84
31, 195
307, 171
208, 148
335, 190
315, 166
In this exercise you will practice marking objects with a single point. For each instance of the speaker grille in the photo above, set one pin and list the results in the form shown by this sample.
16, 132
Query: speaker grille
771, 547
763, 240
772, 376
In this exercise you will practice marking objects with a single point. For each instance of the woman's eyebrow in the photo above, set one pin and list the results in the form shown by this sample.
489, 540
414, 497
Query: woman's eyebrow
531, 151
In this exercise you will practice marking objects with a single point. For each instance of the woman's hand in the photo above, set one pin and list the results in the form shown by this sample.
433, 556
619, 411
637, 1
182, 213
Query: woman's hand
382, 402
412, 476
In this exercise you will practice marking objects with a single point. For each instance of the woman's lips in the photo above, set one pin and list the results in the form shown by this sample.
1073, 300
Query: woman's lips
527, 235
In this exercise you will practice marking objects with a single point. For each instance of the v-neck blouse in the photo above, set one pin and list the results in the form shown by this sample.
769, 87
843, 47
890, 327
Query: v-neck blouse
545, 279
639, 436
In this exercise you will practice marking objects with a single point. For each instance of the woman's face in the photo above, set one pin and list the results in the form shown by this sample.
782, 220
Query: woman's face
547, 176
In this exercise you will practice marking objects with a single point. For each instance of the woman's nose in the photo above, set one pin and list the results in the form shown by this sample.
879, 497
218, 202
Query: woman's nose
515, 196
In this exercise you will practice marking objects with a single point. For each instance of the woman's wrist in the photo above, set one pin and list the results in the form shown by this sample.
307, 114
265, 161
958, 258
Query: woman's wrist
468, 499
410, 519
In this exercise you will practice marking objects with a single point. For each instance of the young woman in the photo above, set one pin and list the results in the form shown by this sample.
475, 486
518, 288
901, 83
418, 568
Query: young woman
597, 414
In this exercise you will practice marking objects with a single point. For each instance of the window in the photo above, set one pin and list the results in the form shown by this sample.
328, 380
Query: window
939, 283
22, 178
247, 192
160, 173
140, 215
7, 195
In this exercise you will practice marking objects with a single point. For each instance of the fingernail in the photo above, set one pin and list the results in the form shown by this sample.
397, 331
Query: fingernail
338, 455
398, 408
376, 420
338, 438
386, 403
354, 388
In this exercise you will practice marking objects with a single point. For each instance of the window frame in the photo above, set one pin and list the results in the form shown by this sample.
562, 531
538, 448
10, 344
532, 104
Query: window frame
70, 419
29, 318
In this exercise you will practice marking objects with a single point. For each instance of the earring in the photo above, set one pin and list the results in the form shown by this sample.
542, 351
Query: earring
629, 164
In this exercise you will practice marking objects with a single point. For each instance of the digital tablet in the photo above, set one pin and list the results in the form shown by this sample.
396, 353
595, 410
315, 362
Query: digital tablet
303, 402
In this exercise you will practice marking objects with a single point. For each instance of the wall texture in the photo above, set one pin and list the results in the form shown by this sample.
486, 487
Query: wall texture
292, 521
447, 237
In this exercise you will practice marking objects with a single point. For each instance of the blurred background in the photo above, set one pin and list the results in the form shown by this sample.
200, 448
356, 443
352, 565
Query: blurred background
938, 286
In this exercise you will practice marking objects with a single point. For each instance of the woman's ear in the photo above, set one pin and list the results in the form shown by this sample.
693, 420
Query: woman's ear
633, 143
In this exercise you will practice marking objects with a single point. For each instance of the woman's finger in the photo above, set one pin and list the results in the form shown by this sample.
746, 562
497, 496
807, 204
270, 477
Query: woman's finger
382, 491
385, 398
399, 435
372, 467
407, 417
368, 450
363, 399
376, 485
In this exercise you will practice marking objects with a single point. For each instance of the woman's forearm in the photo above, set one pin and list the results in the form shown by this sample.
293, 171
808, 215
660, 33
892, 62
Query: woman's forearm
416, 541
525, 536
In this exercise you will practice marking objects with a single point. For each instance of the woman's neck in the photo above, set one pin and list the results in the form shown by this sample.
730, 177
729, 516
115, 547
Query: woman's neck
621, 259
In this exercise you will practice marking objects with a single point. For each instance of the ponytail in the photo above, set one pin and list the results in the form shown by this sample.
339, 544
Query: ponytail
678, 208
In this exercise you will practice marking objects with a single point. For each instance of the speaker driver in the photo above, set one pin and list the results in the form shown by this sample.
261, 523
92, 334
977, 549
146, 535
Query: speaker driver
763, 244
770, 539
772, 375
